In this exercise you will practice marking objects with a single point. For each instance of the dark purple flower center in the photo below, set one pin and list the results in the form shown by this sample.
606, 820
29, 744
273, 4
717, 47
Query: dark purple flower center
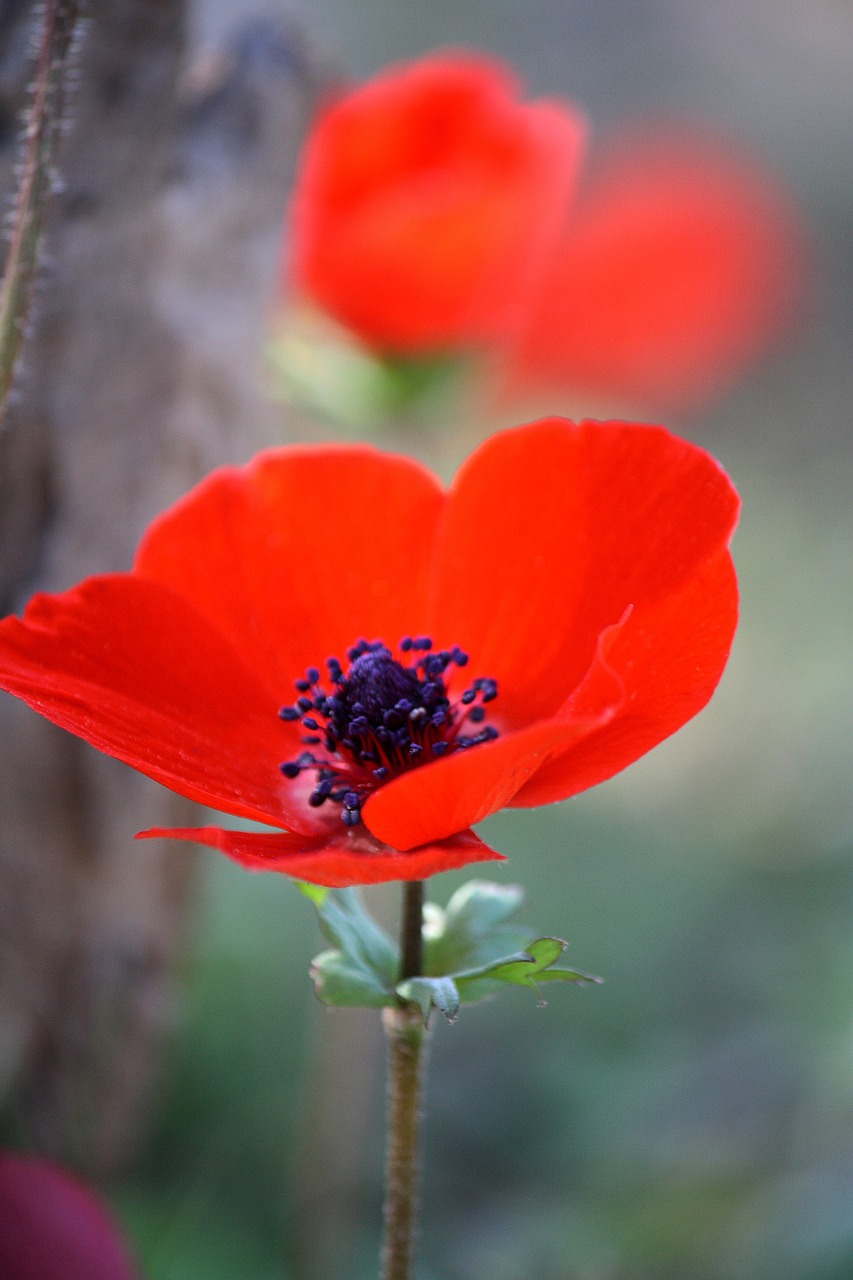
381, 717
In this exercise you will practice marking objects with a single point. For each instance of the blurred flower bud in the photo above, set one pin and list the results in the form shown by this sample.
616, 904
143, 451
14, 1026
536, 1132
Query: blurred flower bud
427, 202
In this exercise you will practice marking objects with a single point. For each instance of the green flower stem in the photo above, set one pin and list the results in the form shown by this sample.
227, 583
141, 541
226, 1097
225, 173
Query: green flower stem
412, 936
408, 1040
43, 126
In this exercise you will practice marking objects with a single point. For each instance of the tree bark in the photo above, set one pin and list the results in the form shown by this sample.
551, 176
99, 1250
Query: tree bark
142, 372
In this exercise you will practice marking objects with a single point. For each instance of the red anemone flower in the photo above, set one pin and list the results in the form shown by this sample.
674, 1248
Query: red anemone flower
679, 265
427, 200
565, 605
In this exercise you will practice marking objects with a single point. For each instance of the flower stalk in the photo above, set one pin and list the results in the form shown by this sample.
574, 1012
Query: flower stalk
408, 1040
412, 935
43, 125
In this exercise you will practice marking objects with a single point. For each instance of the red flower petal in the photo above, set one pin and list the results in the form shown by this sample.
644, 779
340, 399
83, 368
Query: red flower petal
52, 1227
427, 199
582, 567
680, 265
296, 556
551, 532
133, 670
431, 802
340, 858
670, 652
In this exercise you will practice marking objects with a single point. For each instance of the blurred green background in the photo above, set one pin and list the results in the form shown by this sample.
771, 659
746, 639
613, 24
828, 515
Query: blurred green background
693, 1117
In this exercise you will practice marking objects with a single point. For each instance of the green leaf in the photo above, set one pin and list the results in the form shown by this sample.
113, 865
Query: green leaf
441, 993
525, 969
316, 893
536, 956
362, 967
472, 931
471, 951
348, 927
569, 975
341, 981
479, 905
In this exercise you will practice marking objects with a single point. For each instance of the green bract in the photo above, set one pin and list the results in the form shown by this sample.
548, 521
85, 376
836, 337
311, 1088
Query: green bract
471, 950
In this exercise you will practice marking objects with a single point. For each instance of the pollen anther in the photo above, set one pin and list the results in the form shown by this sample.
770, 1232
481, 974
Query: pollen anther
384, 715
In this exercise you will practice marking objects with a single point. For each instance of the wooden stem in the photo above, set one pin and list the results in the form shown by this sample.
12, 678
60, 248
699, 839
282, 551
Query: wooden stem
43, 125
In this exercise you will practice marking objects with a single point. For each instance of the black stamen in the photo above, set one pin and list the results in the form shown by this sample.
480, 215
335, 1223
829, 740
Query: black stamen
382, 718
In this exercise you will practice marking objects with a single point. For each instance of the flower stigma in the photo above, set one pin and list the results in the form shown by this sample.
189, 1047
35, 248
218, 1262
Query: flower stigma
383, 717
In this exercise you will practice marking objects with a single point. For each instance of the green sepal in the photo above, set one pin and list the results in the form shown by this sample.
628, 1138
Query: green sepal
428, 993
340, 981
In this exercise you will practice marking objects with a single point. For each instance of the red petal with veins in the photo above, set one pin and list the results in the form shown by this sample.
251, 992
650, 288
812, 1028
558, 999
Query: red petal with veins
551, 532
299, 554
338, 859
670, 654
463, 788
132, 669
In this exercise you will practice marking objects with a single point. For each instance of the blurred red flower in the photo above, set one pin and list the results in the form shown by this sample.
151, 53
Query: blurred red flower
435, 213
680, 264
427, 200
576, 582
52, 1227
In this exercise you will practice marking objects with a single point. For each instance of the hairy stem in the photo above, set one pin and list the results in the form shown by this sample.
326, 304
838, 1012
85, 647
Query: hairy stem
411, 932
407, 1039
41, 132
